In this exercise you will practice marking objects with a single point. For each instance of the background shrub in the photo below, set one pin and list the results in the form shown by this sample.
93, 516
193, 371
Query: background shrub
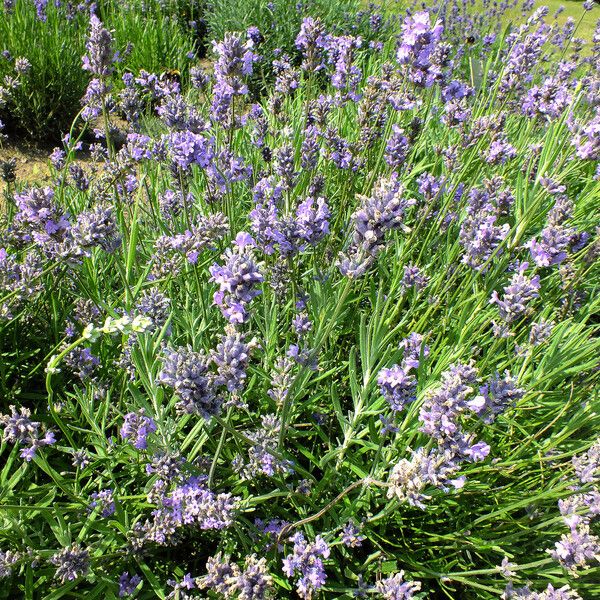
156, 32
279, 23
49, 95
151, 35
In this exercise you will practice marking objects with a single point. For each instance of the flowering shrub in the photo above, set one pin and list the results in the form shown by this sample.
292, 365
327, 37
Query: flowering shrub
43, 95
280, 23
338, 341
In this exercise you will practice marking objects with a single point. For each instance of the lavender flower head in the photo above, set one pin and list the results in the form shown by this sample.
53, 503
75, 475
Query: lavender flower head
310, 148
311, 41
71, 563
284, 166
83, 363
281, 380
179, 115
20, 429
306, 563
587, 139
351, 536
377, 214
234, 63
287, 77
397, 148
557, 238
186, 148
414, 277
180, 589
219, 575
128, 584
237, 279
38, 211
289, 233
136, 428
99, 58
96, 227
587, 465
550, 248
253, 582
202, 235
419, 41
232, 67
409, 478
199, 78
430, 186
548, 100
517, 295
550, 593
18, 278
80, 459
104, 500
397, 387
414, 349
499, 152
254, 35
395, 587
94, 99
187, 373
498, 394
312, 221
346, 75
232, 356
189, 504
577, 548
22, 65
7, 560
480, 235
261, 456
155, 305
226, 169
442, 410
540, 332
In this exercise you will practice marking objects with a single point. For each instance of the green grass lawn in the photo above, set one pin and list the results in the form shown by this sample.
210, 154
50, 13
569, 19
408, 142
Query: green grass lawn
573, 9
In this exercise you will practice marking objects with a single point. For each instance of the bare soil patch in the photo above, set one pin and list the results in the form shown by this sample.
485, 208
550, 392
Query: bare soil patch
31, 161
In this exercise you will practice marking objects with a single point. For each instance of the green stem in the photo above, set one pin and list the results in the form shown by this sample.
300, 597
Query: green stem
213, 465
319, 343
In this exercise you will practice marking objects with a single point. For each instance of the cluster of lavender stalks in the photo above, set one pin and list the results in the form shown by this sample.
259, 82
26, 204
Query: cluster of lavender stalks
208, 275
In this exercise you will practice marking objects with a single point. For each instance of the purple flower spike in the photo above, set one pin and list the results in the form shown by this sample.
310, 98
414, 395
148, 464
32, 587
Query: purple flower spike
306, 563
136, 428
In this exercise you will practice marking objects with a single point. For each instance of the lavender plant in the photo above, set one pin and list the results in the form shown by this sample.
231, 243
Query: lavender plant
337, 340
46, 96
